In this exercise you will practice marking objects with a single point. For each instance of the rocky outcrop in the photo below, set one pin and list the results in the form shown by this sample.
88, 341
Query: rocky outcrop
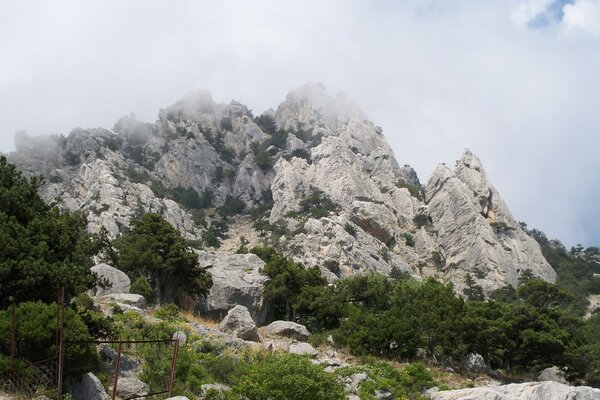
118, 281
476, 233
239, 323
236, 281
199, 153
521, 391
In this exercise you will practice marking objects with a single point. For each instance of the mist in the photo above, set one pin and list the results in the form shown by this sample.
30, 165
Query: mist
516, 82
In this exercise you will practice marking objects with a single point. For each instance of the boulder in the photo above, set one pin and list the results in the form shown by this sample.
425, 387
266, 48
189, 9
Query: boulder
136, 300
209, 388
130, 387
553, 374
303, 349
128, 366
239, 323
181, 336
474, 364
287, 329
88, 387
236, 280
118, 280
384, 395
521, 391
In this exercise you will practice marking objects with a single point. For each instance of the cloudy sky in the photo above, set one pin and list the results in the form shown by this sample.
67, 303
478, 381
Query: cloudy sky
517, 82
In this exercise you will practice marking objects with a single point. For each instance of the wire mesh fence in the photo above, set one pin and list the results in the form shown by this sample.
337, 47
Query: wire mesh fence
120, 360
31, 380
37, 359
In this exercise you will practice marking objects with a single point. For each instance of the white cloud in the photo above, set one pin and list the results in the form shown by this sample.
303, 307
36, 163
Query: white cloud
528, 10
582, 17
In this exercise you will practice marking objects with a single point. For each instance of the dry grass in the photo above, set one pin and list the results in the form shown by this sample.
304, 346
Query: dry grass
199, 319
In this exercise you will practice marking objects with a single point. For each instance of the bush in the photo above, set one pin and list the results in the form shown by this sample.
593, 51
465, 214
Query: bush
412, 189
421, 220
231, 206
348, 227
226, 124
409, 239
266, 123
141, 286
170, 312
332, 265
36, 333
289, 377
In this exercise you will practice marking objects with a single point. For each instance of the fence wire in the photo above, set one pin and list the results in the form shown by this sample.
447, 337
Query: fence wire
119, 360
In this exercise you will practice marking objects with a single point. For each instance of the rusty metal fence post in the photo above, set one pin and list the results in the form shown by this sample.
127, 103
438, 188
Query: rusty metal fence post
61, 342
13, 334
173, 365
117, 365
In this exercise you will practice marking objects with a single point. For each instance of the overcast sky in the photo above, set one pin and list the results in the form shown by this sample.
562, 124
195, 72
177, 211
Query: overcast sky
517, 82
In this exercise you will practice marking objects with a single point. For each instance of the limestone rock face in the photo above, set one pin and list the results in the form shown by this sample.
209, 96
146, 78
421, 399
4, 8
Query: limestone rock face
118, 280
236, 281
370, 215
522, 391
476, 233
239, 323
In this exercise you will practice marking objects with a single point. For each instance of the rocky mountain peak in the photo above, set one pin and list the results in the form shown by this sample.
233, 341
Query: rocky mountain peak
476, 233
310, 106
328, 185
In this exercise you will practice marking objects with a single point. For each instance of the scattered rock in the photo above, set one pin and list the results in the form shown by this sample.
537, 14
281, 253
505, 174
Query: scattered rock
553, 374
384, 395
135, 300
178, 398
287, 329
88, 387
302, 349
128, 366
130, 387
281, 345
239, 323
474, 363
119, 281
214, 387
181, 336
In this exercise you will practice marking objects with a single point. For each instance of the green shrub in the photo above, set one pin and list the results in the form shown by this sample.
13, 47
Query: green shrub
409, 239
348, 227
266, 123
421, 220
226, 124
36, 333
231, 206
142, 286
289, 377
332, 265
170, 312
412, 189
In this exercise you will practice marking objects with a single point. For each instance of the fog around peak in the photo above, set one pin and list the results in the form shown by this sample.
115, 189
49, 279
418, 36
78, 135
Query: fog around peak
517, 82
